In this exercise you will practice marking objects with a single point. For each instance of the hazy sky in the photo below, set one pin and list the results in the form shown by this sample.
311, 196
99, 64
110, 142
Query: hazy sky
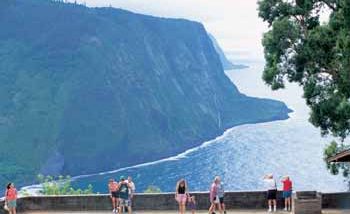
234, 23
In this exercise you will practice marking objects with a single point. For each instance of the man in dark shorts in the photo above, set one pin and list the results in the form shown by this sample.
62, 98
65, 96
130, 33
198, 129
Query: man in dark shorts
113, 191
271, 188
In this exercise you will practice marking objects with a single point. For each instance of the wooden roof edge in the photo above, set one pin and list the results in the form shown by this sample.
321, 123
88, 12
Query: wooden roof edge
339, 155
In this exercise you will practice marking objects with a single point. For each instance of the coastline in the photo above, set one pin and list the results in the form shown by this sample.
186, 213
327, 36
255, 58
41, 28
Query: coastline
35, 188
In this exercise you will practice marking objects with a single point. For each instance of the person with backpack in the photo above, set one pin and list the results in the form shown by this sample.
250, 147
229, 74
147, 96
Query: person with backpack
124, 201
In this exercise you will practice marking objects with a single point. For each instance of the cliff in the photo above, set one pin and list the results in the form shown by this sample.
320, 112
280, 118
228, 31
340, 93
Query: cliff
91, 89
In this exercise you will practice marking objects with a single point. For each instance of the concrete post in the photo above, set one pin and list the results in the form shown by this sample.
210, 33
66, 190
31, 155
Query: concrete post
307, 202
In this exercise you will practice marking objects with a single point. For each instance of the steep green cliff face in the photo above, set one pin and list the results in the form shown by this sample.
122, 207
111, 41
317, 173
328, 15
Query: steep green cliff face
85, 90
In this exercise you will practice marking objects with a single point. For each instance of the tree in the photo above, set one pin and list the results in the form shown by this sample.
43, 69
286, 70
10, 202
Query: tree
299, 48
335, 168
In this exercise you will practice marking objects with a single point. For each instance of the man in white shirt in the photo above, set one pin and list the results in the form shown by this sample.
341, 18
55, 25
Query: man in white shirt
271, 188
132, 189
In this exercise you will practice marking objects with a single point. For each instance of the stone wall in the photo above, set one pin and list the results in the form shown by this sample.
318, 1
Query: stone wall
2, 211
233, 200
340, 200
307, 202
162, 201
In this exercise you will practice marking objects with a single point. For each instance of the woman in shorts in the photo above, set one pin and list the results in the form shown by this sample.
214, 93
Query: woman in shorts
11, 198
181, 195
113, 191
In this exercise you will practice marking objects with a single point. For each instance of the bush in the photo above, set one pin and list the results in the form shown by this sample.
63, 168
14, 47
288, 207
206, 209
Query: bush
61, 186
153, 189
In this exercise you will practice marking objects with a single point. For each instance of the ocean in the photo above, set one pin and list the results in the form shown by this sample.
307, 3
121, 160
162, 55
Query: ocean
243, 154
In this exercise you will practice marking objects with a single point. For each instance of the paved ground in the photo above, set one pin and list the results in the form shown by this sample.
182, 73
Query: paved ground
198, 212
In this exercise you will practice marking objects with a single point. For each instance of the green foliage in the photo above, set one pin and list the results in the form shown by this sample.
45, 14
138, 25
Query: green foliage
298, 48
153, 189
24, 193
337, 167
61, 186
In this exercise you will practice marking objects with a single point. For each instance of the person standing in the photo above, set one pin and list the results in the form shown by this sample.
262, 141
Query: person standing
124, 195
221, 195
214, 197
132, 189
11, 198
287, 193
192, 204
181, 195
271, 188
113, 191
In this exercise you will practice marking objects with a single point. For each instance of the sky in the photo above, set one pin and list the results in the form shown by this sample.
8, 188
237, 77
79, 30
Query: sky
234, 23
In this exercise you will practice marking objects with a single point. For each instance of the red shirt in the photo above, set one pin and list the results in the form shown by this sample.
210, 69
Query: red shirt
11, 194
287, 185
113, 187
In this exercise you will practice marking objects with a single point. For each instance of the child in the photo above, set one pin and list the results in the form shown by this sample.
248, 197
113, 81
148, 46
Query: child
192, 204
287, 192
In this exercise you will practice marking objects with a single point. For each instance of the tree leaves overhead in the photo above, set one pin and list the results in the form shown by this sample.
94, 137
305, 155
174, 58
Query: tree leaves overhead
299, 48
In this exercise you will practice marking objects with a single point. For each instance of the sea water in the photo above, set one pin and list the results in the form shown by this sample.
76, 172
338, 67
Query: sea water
243, 154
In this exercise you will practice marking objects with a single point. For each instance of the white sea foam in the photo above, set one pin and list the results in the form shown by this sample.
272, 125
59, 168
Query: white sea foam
36, 188
172, 158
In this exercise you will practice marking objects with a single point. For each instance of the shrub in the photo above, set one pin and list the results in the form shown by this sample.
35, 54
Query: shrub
61, 186
153, 189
